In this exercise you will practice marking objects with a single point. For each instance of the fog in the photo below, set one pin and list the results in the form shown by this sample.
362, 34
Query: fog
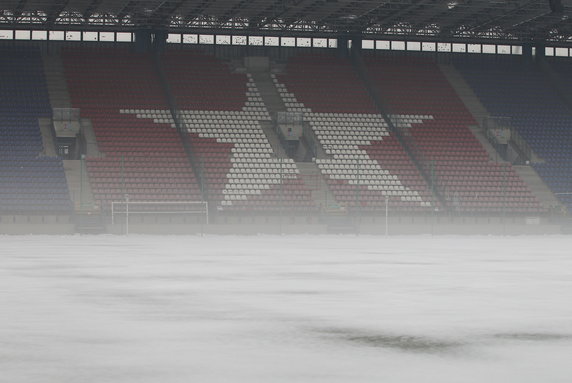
285, 309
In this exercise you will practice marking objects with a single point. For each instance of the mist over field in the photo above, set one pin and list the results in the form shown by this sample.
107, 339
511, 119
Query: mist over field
285, 309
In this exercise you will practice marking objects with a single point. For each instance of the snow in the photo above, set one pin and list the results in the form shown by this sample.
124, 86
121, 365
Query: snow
285, 309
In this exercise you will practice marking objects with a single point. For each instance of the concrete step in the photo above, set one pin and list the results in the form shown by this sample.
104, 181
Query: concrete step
48, 139
268, 92
272, 136
471, 101
88, 135
491, 151
79, 186
314, 180
56, 81
538, 187
473, 104
313, 140
479, 112
274, 104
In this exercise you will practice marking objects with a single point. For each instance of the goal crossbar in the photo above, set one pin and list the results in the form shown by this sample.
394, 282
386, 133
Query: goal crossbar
131, 207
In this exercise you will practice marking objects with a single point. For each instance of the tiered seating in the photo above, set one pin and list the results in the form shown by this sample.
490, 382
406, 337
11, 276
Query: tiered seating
144, 155
30, 183
310, 79
365, 163
461, 168
223, 112
509, 87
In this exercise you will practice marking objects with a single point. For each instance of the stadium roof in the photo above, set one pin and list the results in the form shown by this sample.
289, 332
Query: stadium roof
466, 20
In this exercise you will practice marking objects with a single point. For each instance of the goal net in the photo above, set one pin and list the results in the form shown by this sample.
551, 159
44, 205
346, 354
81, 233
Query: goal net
122, 210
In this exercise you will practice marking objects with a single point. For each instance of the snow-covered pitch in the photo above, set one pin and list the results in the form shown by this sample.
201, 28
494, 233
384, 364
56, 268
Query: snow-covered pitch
144, 309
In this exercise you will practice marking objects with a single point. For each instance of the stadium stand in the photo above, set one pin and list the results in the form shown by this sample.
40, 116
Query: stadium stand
311, 113
30, 182
365, 163
511, 87
222, 112
144, 157
466, 176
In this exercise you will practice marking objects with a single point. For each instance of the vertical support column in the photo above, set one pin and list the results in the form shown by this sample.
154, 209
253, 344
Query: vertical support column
160, 40
540, 52
357, 43
343, 47
143, 40
527, 52
126, 214
207, 212
349, 46
386, 215
149, 39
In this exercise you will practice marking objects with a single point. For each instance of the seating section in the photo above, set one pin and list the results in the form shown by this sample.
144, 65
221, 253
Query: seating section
30, 182
144, 157
509, 87
225, 117
223, 113
461, 168
364, 163
324, 84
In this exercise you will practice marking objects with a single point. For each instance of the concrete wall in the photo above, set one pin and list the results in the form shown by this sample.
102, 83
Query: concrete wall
289, 224
23, 225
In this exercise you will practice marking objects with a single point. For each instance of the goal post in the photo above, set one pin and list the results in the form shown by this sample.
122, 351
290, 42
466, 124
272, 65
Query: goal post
128, 208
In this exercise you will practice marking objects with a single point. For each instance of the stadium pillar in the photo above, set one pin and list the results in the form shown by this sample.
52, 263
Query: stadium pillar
527, 52
159, 40
540, 51
143, 40
556, 6
148, 39
356, 45
343, 49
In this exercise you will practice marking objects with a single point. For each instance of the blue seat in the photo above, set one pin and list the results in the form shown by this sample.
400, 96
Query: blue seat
29, 183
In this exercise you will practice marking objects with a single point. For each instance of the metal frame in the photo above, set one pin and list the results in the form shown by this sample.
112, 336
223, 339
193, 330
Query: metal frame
128, 212
516, 21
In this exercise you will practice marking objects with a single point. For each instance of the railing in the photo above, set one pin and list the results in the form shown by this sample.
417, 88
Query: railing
290, 118
65, 114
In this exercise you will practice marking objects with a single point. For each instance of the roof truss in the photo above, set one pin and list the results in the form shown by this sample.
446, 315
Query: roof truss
522, 20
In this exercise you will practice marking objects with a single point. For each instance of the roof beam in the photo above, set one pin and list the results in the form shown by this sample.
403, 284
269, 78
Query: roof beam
299, 13
20, 8
55, 11
539, 25
196, 11
162, 15
398, 15
465, 14
564, 29
494, 21
231, 12
274, 12
91, 8
129, 7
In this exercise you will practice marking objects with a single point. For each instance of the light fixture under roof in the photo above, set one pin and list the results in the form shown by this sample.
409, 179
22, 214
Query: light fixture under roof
452, 4
350, 17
